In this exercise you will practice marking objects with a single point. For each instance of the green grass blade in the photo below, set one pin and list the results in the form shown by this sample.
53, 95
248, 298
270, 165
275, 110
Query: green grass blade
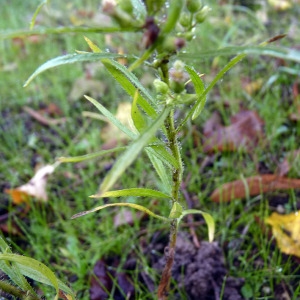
111, 117
127, 158
40, 6
199, 89
132, 205
33, 268
80, 158
207, 217
137, 192
70, 59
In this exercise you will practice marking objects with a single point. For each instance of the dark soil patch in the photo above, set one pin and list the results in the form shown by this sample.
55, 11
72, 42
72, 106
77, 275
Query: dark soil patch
198, 273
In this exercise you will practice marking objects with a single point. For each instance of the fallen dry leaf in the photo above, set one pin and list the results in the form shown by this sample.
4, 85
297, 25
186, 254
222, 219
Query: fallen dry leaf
253, 186
286, 230
245, 132
285, 166
251, 87
36, 187
87, 86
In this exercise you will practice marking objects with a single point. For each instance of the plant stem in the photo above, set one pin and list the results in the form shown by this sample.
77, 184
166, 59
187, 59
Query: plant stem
14, 291
164, 285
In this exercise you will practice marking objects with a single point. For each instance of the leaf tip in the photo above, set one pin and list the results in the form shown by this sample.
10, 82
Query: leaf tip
83, 213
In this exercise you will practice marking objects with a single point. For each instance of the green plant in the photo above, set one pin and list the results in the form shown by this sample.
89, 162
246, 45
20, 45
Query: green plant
153, 113
16, 267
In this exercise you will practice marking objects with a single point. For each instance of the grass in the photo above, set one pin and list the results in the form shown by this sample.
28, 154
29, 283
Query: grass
72, 247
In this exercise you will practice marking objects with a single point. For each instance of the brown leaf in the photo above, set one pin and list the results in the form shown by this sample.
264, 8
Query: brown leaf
245, 131
285, 166
253, 186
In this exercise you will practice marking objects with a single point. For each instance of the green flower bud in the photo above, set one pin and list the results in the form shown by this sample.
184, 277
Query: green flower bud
160, 86
185, 20
193, 5
126, 6
202, 14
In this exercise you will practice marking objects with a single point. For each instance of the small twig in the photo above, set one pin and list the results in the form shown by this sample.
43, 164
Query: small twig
42, 119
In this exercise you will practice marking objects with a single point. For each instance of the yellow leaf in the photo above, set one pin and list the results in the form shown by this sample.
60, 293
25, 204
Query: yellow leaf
286, 230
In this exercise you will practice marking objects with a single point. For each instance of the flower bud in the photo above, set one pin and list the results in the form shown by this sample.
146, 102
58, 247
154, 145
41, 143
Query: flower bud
202, 14
193, 5
160, 86
185, 20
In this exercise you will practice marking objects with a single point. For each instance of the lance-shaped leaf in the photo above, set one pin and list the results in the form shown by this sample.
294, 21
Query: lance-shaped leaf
12, 270
128, 81
80, 158
230, 65
70, 59
132, 205
160, 169
158, 150
138, 192
33, 268
199, 88
137, 117
277, 52
207, 217
111, 117
127, 158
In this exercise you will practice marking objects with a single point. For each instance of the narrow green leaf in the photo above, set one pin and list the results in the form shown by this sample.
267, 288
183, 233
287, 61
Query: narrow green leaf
160, 169
227, 67
92, 45
138, 119
76, 159
139, 9
174, 11
111, 117
277, 52
199, 89
207, 217
70, 59
132, 205
32, 22
12, 270
138, 192
42, 278
35, 268
164, 155
128, 81
127, 158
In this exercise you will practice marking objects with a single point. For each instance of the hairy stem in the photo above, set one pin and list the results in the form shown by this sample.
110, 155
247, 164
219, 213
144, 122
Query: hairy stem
164, 285
14, 291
